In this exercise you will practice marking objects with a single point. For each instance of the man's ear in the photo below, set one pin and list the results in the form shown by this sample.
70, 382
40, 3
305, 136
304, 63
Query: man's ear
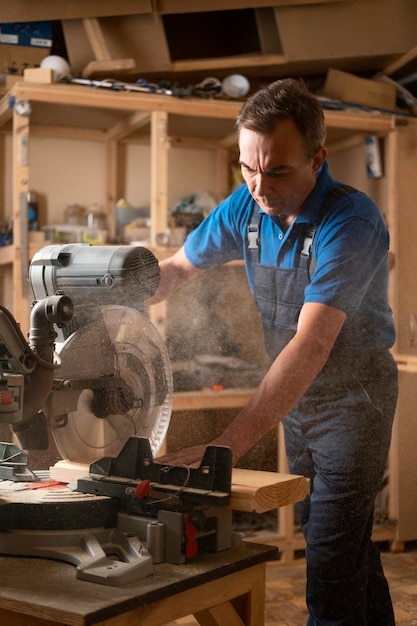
319, 158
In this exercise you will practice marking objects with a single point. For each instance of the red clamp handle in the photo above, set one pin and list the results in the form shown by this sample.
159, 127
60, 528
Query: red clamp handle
143, 489
191, 545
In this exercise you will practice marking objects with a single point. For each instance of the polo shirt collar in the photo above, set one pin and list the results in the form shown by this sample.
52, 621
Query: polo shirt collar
310, 212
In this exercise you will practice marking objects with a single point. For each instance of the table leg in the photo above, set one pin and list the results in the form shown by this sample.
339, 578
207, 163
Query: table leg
245, 610
236, 600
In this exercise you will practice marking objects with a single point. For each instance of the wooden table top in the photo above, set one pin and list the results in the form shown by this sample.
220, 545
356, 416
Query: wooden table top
49, 589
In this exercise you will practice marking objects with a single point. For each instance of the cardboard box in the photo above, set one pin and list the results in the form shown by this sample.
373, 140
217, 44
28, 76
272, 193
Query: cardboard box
350, 88
33, 34
15, 59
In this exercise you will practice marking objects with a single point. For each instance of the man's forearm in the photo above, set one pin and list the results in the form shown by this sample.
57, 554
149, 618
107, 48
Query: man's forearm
175, 272
286, 381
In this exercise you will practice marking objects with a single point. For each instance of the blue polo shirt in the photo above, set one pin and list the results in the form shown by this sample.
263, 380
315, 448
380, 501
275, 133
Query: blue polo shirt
350, 247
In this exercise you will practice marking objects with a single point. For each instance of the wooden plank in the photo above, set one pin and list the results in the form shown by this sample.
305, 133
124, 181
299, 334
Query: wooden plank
66, 471
128, 125
108, 68
398, 63
354, 120
252, 491
209, 399
191, 6
103, 99
224, 63
28, 11
39, 75
96, 38
74, 95
259, 492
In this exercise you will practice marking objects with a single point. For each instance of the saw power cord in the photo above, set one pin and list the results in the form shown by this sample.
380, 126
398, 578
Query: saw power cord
167, 469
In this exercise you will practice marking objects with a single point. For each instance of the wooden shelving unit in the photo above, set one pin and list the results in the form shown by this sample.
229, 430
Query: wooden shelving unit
115, 118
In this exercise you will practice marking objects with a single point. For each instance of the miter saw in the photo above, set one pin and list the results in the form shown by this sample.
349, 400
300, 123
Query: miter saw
96, 375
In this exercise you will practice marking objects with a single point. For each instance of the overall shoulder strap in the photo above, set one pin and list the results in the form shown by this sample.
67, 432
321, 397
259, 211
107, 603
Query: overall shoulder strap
334, 194
253, 229
252, 234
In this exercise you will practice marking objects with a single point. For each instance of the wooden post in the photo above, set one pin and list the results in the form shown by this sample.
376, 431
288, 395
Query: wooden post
159, 172
21, 127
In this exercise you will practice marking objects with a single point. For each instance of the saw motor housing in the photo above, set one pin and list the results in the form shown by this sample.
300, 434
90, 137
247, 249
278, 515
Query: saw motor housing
94, 276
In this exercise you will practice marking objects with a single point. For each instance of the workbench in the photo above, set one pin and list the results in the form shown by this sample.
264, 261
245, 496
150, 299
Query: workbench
218, 588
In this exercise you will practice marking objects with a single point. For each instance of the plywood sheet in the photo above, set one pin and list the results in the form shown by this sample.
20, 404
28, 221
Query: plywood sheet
347, 29
29, 11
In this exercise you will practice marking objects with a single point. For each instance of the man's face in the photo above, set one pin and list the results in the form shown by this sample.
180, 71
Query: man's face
276, 170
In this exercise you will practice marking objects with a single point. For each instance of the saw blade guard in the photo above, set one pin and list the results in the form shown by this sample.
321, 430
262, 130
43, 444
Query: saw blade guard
114, 382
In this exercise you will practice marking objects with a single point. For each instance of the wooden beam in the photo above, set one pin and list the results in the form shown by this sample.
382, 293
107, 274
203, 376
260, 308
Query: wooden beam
207, 399
28, 11
159, 169
258, 492
398, 63
66, 132
127, 126
76, 95
226, 63
191, 6
103, 63
355, 120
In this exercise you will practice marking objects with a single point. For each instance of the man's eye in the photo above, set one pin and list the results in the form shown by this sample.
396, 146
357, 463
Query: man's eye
248, 170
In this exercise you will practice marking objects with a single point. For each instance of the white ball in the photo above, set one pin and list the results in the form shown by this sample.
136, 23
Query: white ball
58, 65
235, 86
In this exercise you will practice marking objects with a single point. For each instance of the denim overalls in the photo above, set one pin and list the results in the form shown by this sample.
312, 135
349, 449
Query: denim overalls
338, 435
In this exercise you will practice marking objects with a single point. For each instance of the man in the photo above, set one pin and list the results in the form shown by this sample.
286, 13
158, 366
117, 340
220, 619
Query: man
316, 262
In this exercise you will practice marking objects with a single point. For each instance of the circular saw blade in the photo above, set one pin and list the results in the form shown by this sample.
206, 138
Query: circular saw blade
120, 386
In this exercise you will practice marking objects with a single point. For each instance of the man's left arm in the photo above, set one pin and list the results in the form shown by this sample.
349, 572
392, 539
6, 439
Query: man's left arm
286, 381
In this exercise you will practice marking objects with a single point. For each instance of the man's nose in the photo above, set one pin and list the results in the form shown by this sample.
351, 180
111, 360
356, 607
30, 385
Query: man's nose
262, 185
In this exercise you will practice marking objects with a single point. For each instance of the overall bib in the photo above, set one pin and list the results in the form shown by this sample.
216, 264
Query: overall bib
338, 435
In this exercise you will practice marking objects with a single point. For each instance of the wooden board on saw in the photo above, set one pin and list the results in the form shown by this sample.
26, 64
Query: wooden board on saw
252, 491
258, 492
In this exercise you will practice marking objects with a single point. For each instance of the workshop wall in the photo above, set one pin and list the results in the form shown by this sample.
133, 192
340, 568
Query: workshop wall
64, 171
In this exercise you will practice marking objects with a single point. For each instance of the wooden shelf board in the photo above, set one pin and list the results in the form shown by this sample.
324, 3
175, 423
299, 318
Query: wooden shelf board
101, 109
209, 399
